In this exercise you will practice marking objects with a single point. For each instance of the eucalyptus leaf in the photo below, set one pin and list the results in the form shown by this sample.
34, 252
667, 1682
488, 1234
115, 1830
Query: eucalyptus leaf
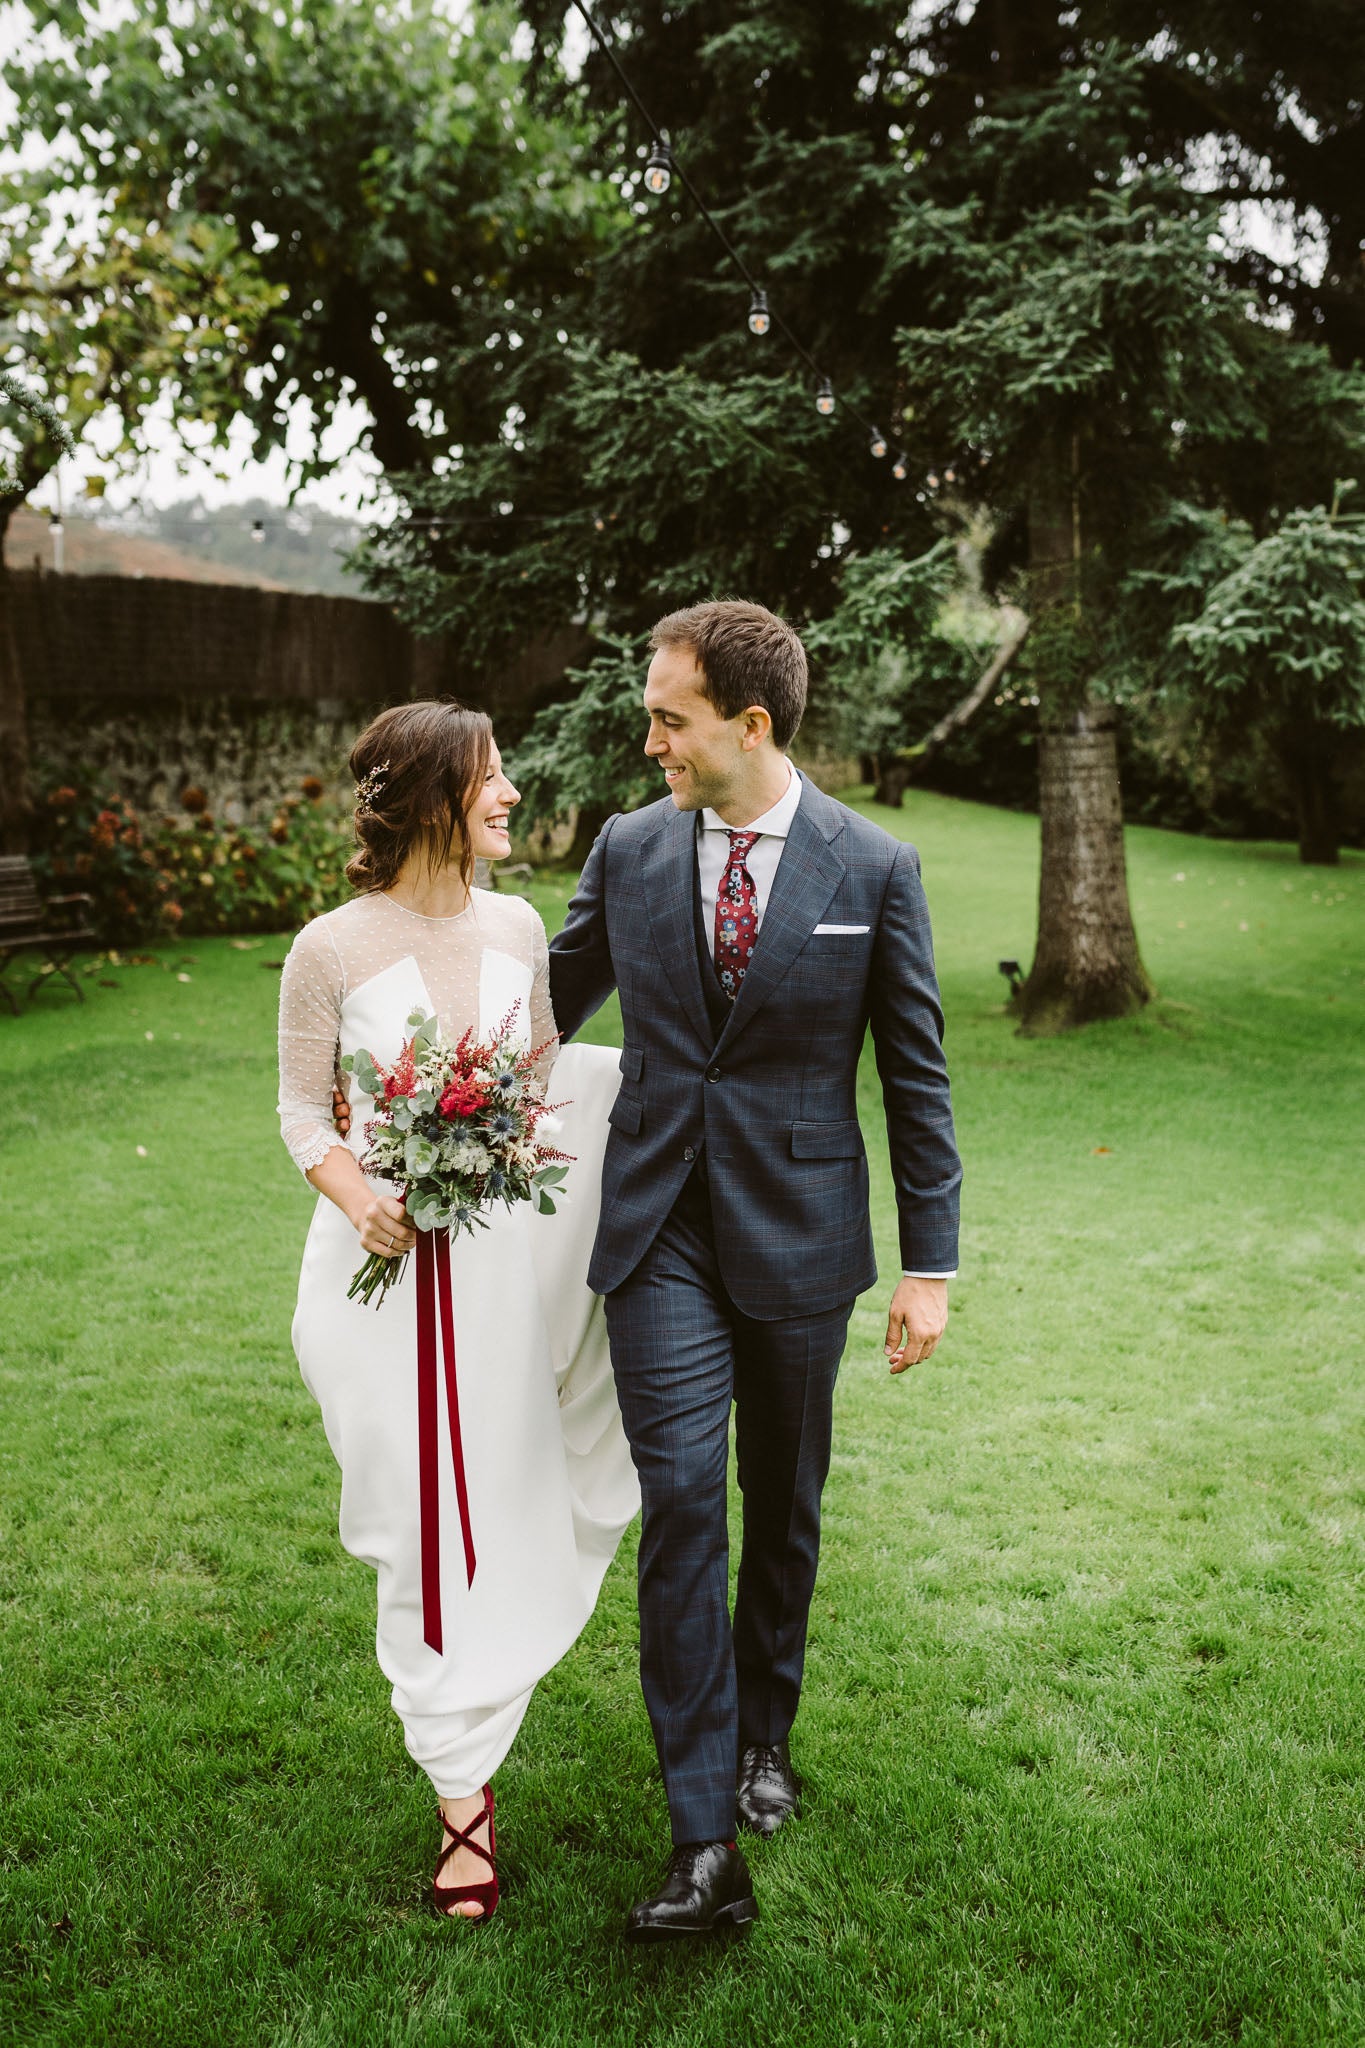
420, 1155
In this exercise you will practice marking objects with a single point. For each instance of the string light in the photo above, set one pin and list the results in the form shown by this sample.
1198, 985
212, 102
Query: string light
659, 169
659, 172
900, 468
932, 480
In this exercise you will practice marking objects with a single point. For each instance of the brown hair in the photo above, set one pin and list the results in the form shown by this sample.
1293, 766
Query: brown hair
417, 767
746, 655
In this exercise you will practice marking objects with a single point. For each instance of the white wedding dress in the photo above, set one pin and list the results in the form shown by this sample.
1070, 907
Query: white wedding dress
550, 1482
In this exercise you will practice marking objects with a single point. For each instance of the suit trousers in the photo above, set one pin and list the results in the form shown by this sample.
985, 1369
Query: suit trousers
682, 1353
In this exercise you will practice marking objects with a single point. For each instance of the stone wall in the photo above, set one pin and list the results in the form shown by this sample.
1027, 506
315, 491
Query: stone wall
144, 685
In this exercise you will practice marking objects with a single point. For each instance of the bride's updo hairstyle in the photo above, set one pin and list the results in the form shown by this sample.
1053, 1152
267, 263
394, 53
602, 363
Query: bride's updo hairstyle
417, 768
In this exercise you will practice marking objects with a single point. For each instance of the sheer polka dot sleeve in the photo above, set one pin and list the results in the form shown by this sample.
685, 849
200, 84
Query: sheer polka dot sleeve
543, 1026
311, 993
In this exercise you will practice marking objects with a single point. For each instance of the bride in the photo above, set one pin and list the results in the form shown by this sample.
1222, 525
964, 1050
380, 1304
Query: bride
550, 1485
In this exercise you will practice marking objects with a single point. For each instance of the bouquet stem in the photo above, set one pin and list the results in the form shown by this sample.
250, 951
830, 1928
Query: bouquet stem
376, 1277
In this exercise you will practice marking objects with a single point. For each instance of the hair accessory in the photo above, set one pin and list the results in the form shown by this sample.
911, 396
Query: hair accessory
369, 786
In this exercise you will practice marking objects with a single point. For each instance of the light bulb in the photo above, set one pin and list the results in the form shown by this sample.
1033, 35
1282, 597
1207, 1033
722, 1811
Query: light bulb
878, 443
659, 169
900, 467
760, 320
258, 529
824, 399
932, 480
950, 476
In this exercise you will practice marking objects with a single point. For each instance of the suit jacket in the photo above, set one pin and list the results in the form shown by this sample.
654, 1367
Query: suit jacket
772, 1099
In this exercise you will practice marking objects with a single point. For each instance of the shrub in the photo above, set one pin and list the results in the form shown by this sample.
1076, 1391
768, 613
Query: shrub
192, 874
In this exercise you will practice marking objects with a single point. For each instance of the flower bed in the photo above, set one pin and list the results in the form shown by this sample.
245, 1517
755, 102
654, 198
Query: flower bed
193, 873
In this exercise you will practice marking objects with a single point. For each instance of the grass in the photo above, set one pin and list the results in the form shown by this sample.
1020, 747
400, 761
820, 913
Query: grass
1082, 1730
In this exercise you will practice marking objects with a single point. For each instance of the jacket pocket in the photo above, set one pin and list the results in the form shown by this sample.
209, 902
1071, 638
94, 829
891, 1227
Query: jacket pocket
827, 1141
632, 1062
626, 1114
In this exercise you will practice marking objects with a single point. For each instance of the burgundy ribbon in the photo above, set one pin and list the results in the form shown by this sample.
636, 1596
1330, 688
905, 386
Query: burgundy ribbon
433, 1289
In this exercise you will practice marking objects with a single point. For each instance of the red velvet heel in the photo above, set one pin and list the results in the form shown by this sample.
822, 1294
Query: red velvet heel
443, 1897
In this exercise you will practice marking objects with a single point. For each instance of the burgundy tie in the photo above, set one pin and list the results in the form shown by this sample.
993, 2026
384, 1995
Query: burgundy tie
736, 916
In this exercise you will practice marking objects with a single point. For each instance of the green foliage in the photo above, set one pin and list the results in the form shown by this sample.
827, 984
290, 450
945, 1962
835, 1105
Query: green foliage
1093, 340
1283, 632
588, 753
135, 308
884, 659
409, 233
193, 874
628, 492
660, 454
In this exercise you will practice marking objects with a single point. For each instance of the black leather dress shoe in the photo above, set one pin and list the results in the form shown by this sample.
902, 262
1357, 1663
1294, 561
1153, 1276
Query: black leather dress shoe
707, 1889
768, 1793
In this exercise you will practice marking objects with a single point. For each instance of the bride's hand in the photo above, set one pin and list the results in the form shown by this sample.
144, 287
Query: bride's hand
384, 1227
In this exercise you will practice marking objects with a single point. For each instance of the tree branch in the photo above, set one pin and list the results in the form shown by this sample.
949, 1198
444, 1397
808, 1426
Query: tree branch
952, 721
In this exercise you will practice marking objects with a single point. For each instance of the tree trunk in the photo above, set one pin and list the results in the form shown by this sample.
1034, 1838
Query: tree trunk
15, 808
591, 818
1086, 965
1311, 772
893, 774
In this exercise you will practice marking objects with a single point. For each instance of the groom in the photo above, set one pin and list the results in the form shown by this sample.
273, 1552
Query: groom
754, 928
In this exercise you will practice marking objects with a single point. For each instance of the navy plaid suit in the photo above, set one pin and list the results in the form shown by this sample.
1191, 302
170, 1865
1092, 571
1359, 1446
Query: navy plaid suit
735, 1235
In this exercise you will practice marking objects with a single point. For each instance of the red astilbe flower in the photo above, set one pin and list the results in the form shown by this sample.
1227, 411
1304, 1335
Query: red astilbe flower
463, 1098
401, 1079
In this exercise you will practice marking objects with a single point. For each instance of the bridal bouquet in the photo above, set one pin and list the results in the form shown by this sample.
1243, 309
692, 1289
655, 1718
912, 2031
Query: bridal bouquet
457, 1124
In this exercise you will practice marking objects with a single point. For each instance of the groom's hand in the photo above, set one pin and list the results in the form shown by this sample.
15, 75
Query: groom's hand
341, 1113
918, 1318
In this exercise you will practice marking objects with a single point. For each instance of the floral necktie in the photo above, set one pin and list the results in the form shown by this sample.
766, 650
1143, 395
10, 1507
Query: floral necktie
736, 915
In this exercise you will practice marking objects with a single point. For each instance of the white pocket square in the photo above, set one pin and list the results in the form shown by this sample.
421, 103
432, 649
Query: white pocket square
839, 931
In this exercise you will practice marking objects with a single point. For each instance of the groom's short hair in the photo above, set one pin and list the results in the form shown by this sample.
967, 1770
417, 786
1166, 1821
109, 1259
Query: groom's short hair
746, 655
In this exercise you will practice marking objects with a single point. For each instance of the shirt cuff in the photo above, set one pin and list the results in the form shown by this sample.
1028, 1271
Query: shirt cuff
906, 1275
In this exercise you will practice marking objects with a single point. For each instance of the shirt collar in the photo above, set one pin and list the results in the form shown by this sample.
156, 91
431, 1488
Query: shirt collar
774, 824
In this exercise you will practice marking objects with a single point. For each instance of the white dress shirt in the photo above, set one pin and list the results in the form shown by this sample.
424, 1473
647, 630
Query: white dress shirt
762, 860
713, 851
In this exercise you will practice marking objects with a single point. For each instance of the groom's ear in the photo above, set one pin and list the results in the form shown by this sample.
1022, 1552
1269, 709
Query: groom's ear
758, 726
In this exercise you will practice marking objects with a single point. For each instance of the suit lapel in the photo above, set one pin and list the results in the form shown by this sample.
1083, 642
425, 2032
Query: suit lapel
807, 876
668, 873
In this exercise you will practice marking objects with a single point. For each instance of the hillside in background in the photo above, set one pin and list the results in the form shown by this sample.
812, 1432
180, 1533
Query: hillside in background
297, 548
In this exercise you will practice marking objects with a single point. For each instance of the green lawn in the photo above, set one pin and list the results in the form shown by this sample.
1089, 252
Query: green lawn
1083, 1720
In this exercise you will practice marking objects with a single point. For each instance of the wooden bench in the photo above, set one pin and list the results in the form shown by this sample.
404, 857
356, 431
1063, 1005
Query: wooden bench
27, 925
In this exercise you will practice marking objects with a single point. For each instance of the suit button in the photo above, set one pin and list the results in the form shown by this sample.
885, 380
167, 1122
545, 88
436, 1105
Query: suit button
690, 1153
714, 1074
